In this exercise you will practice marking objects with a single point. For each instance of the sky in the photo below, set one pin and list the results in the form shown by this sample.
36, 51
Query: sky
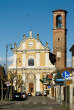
22, 16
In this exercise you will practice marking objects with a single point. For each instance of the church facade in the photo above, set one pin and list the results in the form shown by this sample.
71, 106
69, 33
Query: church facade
31, 63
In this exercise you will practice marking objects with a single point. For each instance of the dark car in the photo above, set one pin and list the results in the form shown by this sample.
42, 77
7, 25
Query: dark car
38, 93
23, 96
16, 96
29, 94
19, 96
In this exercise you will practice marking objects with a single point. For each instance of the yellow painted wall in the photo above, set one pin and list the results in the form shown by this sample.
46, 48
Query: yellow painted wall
19, 59
30, 54
42, 59
30, 47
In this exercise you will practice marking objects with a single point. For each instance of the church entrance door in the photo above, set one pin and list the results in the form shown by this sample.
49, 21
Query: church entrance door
31, 87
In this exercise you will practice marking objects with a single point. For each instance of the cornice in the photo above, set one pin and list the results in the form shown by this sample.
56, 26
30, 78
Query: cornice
32, 50
38, 68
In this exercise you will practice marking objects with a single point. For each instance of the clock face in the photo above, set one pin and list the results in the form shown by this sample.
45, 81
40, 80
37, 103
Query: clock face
30, 43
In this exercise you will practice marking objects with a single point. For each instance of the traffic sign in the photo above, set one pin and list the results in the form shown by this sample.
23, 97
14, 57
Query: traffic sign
49, 86
66, 74
60, 80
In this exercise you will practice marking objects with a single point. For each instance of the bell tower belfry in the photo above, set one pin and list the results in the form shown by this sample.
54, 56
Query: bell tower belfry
59, 37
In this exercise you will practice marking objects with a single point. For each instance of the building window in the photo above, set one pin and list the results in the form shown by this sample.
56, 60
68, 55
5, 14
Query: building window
58, 39
59, 21
31, 62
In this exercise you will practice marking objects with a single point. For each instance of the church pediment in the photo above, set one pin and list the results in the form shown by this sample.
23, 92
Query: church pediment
30, 43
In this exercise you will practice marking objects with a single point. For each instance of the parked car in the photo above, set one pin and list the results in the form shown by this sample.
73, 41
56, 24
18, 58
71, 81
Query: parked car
16, 96
19, 96
38, 93
29, 94
23, 96
45, 93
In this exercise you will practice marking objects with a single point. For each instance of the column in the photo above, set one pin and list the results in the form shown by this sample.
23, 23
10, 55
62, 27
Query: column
38, 54
71, 94
38, 58
23, 77
62, 94
37, 82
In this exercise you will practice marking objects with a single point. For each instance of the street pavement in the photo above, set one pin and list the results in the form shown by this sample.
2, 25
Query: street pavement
32, 103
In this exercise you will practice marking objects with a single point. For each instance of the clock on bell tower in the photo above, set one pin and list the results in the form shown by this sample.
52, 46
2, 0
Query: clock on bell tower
59, 37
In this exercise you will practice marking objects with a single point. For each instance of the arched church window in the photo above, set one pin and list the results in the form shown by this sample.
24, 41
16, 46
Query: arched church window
59, 21
31, 62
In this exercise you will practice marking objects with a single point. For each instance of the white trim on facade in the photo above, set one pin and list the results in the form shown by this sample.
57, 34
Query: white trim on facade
23, 59
37, 82
37, 45
38, 59
23, 77
23, 46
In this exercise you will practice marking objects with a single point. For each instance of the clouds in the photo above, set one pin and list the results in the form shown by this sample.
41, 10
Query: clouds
10, 58
3, 60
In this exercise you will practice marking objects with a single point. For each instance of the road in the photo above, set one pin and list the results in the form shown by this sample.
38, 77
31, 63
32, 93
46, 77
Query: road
32, 103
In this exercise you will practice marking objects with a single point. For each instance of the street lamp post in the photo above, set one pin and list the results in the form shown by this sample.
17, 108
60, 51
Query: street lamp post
8, 45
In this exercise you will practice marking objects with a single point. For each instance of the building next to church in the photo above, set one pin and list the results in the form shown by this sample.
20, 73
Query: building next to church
31, 63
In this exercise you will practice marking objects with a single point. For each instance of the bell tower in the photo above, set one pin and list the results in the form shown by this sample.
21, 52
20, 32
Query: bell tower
59, 37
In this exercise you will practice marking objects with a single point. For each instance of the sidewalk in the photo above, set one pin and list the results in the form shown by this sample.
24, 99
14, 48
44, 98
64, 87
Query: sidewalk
6, 103
66, 106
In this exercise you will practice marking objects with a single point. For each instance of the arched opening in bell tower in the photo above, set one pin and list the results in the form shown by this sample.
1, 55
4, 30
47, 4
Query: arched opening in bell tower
59, 21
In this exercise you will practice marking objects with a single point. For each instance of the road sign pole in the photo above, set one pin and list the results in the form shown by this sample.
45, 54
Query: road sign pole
66, 91
60, 95
66, 75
